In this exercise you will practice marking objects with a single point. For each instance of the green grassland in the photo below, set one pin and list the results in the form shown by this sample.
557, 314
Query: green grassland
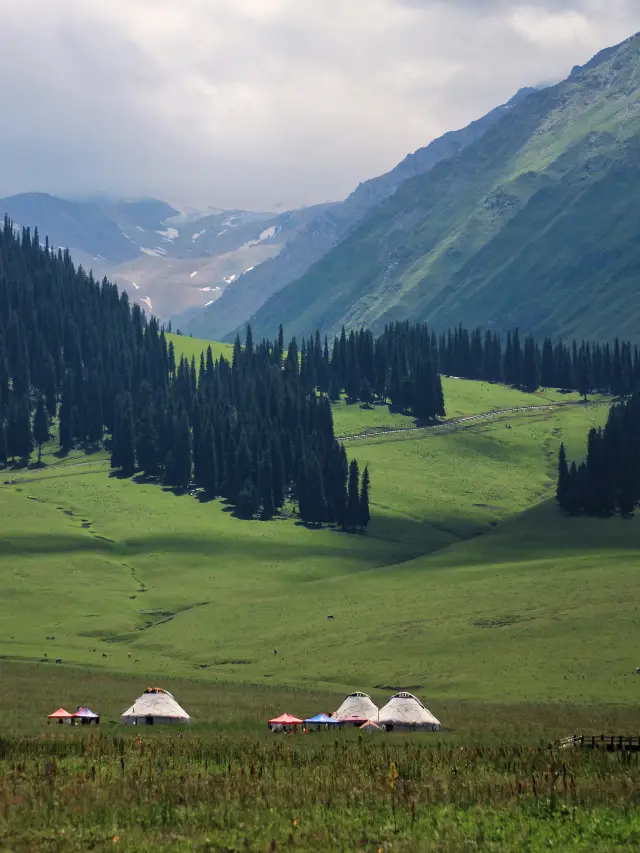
489, 782
468, 584
192, 347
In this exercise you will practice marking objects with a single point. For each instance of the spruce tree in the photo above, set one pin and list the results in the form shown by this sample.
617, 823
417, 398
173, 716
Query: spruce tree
19, 440
40, 426
147, 442
563, 476
364, 515
126, 442
352, 515
265, 487
3, 445
248, 501
182, 452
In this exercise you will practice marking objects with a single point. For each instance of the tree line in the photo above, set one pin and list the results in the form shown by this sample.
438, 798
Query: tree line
251, 430
608, 480
403, 365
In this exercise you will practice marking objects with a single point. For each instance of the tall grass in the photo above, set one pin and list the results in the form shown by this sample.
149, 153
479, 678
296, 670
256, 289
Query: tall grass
178, 791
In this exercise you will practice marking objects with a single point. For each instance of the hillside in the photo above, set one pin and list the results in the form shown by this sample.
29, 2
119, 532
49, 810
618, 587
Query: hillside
533, 225
326, 229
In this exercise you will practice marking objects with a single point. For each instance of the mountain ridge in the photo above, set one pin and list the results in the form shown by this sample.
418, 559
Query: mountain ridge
321, 234
446, 247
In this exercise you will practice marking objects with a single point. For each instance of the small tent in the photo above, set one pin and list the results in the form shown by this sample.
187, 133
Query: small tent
371, 728
60, 716
322, 720
278, 723
406, 711
155, 706
86, 716
357, 708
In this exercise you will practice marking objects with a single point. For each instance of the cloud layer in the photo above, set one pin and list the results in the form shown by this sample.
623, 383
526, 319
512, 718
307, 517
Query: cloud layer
264, 103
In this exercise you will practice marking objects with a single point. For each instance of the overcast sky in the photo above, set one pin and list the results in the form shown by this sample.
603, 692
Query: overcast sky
264, 103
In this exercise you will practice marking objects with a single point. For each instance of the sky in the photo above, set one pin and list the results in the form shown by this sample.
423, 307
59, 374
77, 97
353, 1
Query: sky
264, 104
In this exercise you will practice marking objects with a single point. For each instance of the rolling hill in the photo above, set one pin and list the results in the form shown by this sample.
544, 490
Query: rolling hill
532, 225
329, 226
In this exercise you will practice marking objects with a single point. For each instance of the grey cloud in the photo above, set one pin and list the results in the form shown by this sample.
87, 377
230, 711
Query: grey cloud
259, 101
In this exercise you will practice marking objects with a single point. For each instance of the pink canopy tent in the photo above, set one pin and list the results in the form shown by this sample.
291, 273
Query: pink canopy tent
60, 715
285, 720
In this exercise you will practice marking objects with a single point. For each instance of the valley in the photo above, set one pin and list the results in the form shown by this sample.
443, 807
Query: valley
135, 579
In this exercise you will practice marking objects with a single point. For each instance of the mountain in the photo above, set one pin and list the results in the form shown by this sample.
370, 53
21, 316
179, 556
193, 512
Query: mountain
533, 225
170, 262
331, 224
71, 224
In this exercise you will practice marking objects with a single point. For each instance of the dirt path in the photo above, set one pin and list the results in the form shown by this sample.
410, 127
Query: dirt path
465, 421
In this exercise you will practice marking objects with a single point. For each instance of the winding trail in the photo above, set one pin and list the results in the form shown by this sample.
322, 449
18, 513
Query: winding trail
463, 422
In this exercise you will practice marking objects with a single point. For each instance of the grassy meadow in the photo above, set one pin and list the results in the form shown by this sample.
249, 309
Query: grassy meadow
489, 781
468, 584
512, 623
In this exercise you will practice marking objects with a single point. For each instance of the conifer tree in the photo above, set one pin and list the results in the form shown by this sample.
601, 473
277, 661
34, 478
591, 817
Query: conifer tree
3, 445
352, 515
40, 426
182, 452
265, 487
364, 515
19, 440
563, 476
147, 451
278, 473
248, 501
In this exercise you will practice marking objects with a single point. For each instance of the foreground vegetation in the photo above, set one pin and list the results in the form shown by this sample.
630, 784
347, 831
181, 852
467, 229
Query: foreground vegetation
488, 782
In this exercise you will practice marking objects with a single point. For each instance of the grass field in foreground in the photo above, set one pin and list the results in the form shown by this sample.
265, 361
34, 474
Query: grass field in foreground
489, 782
453, 591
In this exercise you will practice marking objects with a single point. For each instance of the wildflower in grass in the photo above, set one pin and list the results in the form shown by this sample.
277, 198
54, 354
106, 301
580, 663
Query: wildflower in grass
116, 838
393, 775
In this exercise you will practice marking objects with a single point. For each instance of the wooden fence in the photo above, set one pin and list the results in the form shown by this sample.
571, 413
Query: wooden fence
612, 743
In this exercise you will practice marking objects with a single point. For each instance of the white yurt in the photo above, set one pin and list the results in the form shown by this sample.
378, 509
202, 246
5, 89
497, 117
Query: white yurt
406, 711
357, 706
155, 706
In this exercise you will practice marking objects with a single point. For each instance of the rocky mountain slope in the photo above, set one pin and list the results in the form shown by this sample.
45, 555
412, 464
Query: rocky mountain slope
325, 230
534, 224
167, 260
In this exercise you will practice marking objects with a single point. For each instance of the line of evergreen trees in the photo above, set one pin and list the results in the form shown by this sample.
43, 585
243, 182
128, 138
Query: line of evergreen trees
253, 431
402, 365
608, 480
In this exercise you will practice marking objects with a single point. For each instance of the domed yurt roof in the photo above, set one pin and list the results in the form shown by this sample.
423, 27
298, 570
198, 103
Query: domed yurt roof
357, 706
405, 709
157, 703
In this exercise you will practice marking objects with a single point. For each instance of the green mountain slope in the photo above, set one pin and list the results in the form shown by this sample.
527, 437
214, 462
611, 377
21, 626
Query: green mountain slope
325, 230
532, 225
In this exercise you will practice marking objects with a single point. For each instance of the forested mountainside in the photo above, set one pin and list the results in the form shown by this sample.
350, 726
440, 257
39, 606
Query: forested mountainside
77, 350
533, 225
326, 229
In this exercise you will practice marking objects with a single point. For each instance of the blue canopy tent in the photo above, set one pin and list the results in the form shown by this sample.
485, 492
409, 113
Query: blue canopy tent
322, 720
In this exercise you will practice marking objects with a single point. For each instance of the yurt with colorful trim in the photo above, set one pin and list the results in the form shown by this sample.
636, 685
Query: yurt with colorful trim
406, 711
155, 707
357, 708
